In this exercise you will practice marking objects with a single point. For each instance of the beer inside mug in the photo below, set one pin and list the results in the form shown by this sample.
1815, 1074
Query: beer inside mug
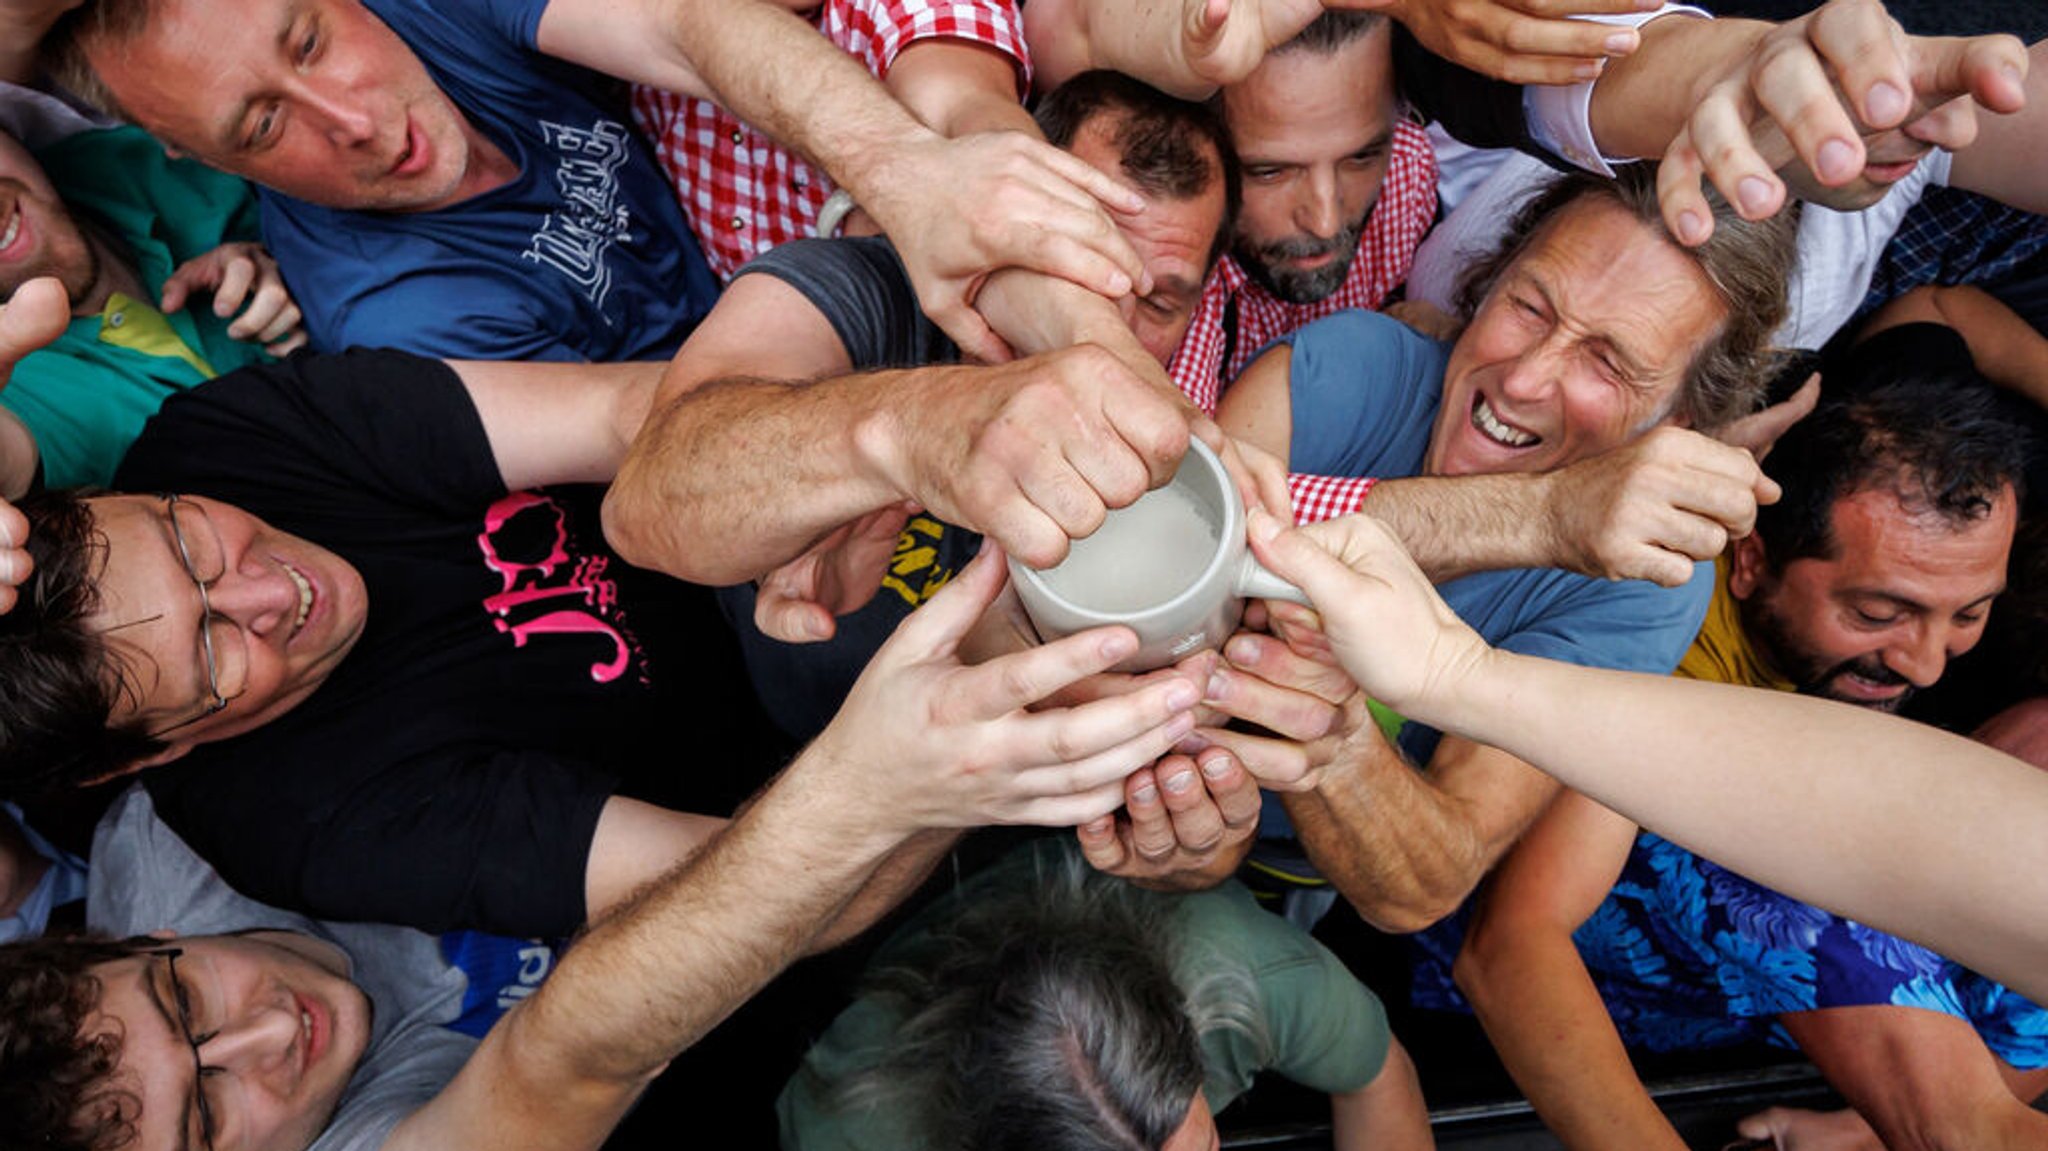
1143, 555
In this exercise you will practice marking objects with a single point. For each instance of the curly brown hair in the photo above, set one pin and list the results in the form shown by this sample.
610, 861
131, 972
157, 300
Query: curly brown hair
56, 1089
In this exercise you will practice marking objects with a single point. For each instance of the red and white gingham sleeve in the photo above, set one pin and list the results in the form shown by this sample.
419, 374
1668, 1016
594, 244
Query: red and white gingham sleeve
877, 30
1319, 498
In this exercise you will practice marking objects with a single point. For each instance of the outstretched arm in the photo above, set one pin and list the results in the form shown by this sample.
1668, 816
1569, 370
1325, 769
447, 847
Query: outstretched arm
2009, 351
923, 744
1911, 829
957, 209
1525, 979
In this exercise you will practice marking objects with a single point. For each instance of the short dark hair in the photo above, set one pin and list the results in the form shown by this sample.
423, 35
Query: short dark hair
1747, 261
1332, 30
60, 680
1046, 1015
56, 1092
1158, 137
1939, 437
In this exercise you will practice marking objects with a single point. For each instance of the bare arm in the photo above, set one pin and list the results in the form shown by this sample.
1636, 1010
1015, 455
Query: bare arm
957, 209
1923, 1079
1919, 832
923, 744
556, 423
1531, 989
1646, 510
958, 88
1386, 1114
2008, 350
1405, 847
2009, 160
1751, 106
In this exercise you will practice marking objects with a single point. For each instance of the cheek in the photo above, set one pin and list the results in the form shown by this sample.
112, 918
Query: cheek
1360, 189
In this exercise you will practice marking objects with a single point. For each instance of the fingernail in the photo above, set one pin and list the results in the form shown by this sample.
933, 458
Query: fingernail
1886, 104
1755, 194
1118, 644
1218, 685
1590, 70
1242, 649
1263, 527
1217, 766
1691, 228
1119, 285
1180, 781
1145, 794
2012, 75
1182, 695
1098, 826
817, 628
1837, 160
1621, 43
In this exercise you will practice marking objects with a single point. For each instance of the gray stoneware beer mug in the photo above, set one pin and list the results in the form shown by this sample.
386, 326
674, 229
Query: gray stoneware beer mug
1172, 567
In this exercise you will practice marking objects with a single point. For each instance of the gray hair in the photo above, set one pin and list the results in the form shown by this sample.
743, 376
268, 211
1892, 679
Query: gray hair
1331, 30
1045, 1015
1747, 261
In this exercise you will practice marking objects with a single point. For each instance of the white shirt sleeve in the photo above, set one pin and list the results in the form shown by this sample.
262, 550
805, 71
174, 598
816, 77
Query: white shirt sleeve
1560, 116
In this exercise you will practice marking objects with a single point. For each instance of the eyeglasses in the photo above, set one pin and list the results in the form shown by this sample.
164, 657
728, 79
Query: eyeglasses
181, 1006
222, 645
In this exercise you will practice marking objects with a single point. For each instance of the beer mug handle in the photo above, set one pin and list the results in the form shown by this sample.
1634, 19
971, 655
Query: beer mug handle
1255, 582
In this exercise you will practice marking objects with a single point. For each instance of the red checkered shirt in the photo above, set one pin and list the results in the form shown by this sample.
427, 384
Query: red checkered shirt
744, 193
1386, 249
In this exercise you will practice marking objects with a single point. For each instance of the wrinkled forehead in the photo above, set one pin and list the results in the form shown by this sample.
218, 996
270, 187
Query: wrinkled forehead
1620, 279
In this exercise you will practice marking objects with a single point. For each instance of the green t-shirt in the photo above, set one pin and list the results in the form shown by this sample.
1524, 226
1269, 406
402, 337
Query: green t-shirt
1327, 1031
86, 397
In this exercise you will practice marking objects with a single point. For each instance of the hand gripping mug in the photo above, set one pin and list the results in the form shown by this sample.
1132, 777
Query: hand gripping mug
1172, 567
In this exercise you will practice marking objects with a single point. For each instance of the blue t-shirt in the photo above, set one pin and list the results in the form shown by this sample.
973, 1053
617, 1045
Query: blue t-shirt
1365, 390
584, 256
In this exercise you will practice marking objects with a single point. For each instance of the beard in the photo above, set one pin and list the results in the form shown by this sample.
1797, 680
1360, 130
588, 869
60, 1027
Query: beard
1812, 674
1265, 264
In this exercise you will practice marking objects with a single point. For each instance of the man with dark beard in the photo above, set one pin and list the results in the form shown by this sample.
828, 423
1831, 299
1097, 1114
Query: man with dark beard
1880, 562
1877, 566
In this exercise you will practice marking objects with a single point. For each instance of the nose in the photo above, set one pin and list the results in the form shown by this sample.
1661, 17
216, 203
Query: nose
340, 113
254, 1043
1920, 657
1317, 210
257, 594
1533, 374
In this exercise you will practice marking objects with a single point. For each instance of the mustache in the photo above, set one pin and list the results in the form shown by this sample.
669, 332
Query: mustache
1301, 247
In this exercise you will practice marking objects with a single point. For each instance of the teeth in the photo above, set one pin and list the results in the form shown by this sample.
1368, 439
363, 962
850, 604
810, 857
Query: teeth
305, 596
13, 229
1484, 419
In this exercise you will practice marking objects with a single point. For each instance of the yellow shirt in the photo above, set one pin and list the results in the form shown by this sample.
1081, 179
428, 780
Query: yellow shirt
1722, 652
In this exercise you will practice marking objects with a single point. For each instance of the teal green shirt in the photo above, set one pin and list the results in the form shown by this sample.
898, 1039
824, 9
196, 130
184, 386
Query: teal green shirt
86, 397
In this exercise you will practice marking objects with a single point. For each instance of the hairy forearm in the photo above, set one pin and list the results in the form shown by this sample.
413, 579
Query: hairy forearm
1545, 1018
1036, 313
736, 476
1457, 525
806, 93
1864, 814
1642, 99
895, 879
651, 979
1402, 852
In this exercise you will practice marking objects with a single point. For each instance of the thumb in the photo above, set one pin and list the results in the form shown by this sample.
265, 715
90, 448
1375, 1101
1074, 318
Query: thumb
936, 628
1293, 556
1205, 22
1759, 431
34, 316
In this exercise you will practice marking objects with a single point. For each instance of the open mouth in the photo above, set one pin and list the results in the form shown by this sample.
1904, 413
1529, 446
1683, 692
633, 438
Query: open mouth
12, 231
305, 587
1497, 430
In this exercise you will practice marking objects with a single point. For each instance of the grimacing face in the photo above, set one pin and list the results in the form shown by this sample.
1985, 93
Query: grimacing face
280, 1030
295, 608
1904, 592
317, 99
1312, 134
1582, 345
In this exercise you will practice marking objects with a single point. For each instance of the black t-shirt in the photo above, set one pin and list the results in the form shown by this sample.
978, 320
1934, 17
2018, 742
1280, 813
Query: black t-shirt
450, 772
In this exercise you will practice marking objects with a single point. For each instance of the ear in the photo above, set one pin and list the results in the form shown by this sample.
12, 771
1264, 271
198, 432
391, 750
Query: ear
1745, 566
174, 751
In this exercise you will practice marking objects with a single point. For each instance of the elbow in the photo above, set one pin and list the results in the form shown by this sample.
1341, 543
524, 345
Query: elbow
625, 524
1404, 913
